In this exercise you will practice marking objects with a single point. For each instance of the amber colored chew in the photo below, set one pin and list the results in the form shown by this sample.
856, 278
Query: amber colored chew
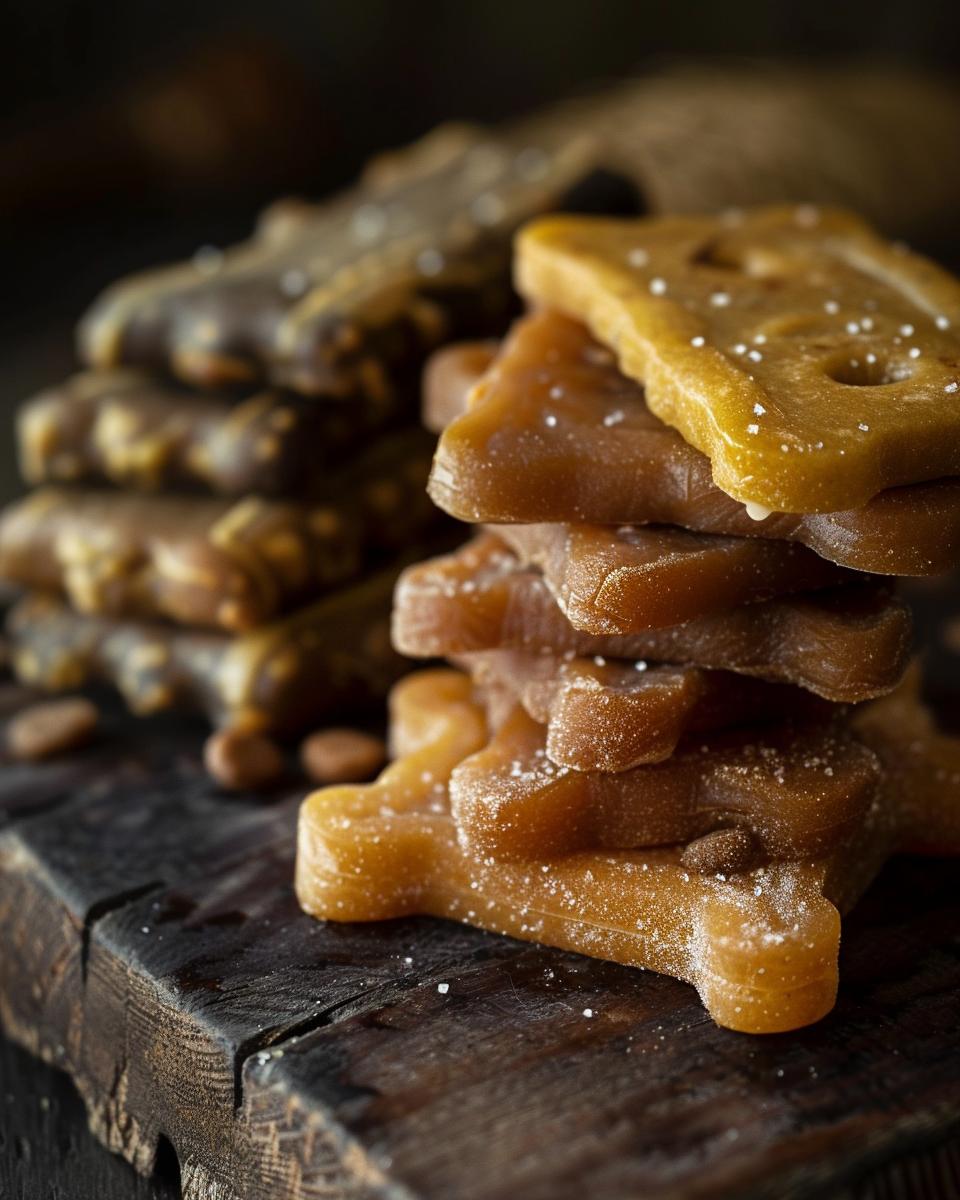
554, 405
621, 581
611, 715
809, 359
847, 645
796, 791
760, 947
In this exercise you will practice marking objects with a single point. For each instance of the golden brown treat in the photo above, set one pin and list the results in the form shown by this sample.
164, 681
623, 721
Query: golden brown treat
325, 298
51, 727
127, 428
611, 715
215, 563
760, 947
341, 756
285, 677
723, 852
810, 360
632, 578
555, 432
242, 762
448, 377
848, 644
800, 791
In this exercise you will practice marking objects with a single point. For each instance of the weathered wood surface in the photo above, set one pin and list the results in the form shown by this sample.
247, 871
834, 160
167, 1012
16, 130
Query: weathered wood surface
151, 946
46, 1152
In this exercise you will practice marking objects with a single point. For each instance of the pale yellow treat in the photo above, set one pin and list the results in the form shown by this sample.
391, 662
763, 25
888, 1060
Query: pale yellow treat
813, 362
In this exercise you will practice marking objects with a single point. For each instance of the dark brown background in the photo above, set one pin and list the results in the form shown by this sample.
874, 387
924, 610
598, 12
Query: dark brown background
82, 200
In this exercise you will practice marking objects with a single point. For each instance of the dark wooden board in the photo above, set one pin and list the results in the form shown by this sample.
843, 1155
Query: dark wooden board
46, 1152
151, 946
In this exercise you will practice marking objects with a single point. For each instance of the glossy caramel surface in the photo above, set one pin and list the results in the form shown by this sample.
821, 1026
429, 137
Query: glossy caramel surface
626, 579
846, 644
612, 714
554, 432
760, 946
797, 791
814, 363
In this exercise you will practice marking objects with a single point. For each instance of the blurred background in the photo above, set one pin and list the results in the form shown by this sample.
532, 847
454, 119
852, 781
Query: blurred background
132, 132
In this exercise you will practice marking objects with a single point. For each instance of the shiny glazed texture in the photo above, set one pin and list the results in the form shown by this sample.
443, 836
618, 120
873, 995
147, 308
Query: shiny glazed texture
848, 644
814, 363
624, 580
554, 432
611, 715
798, 791
760, 946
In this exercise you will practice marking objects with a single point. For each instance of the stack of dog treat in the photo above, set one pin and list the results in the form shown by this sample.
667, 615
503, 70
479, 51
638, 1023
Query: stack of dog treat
235, 400
224, 496
685, 732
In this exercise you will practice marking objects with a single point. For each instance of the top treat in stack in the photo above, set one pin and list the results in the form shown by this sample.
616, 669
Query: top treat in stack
697, 460
812, 362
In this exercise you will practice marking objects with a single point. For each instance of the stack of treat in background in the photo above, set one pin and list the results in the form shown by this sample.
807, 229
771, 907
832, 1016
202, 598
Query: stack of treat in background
223, 498
225, 494
685, 732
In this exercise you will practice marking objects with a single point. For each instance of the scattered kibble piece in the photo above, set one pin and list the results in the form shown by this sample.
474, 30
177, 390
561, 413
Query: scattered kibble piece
342, 756
51, 727
242, 761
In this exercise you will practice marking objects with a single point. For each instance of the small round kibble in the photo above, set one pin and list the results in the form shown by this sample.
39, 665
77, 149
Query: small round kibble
50, 728
242, 762
723, 852
342, 756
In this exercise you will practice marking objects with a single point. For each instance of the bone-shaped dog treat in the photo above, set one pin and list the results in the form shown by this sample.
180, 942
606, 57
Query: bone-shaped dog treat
797, 791
323, 298
554, 432
760, 947
847, 644
126, 428
282, 677
610, 715
814, 363
632, 578
213, 563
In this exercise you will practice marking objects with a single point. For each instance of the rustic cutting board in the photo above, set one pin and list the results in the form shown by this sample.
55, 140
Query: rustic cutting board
151, 946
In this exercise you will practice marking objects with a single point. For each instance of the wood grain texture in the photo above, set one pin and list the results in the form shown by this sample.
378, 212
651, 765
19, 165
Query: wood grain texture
151, 945
46, 1152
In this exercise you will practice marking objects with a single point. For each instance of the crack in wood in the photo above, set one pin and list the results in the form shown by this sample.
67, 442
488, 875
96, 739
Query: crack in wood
102, 908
